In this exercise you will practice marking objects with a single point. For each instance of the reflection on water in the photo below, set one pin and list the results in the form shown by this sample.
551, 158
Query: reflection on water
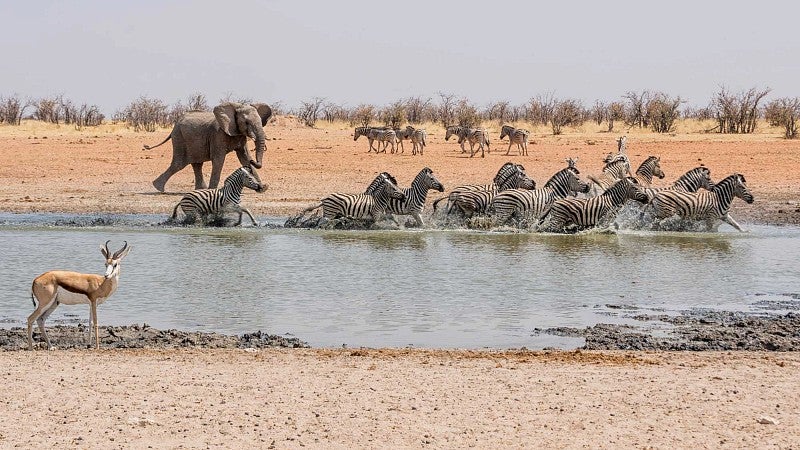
398, 288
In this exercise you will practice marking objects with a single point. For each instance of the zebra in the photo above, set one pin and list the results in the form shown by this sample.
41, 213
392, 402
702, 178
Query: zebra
387, 137
622, 144
216, 202
360, 206
507, 177
516, 136
472, 135
415, 195
370, 133
403, 134
710, 205
572, 214
647, 170
418, 137
473, 202
691, 181
531, 204
616, 168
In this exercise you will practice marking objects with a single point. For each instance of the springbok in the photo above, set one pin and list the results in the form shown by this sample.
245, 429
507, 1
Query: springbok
72, 288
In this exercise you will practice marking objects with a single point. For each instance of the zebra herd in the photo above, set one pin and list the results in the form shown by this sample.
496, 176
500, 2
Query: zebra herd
565, 204
417, 136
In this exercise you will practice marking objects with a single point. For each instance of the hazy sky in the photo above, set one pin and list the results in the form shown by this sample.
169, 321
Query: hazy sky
108, 53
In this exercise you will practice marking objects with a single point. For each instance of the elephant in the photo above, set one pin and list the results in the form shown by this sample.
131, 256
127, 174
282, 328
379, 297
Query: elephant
201, 136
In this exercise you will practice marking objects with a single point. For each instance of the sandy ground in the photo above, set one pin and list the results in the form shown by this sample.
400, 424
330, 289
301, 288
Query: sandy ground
47, 168
398, 399
383, 398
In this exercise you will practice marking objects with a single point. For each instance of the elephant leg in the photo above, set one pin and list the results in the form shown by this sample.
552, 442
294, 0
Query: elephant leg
216, 172
199, 183
160, 182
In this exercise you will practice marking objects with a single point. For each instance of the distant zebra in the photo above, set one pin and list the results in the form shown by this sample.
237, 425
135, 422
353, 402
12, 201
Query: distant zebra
402, 134
691, 181
615, 169
418, 137
516, 136
205, 203
507, 177
710, 206
647, 170
622, 144
370, 133
530, 205
386, 137
477, 201
415, 195
360, 206
472, 135
573, 214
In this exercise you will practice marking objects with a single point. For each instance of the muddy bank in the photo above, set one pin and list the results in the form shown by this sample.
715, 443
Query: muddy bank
696, 330
142, 336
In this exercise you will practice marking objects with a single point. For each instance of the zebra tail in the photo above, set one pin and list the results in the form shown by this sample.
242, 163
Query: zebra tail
436, 202
175, 211
147, 147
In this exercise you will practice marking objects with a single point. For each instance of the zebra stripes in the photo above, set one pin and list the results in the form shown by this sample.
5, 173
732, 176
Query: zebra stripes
516, 136
509, 176
571, 214
474, 136
216, 202
709, 206
471, 202
361, 206
530, 205
415, 196
615, 169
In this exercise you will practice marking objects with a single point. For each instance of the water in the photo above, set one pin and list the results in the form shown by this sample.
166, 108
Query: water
397, 288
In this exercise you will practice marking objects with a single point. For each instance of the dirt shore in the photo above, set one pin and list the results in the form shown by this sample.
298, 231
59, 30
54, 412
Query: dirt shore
290, 398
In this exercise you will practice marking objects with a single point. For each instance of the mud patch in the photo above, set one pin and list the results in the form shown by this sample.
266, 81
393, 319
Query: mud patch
142, 336
696, 330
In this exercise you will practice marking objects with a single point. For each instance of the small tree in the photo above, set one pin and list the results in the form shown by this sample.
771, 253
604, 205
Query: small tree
394, 115
418, 110
466, 114
446, 110
197, 102
661, 112
616, 111
142, 114
737, 113
499, 111
539, 110
784, 112
636, 108
599, 112
566, 112
309, 111
362, 115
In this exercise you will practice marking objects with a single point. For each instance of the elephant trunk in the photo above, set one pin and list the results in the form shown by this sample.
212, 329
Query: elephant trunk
261, 146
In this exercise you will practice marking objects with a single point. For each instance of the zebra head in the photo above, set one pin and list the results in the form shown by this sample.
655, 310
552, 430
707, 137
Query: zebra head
389, 187
429, 180
740, 189
652, 165
451, 131
360, 131
251, 179
634, 191
507, 130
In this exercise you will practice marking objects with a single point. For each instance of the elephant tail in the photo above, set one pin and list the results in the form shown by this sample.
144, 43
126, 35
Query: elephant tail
147, 147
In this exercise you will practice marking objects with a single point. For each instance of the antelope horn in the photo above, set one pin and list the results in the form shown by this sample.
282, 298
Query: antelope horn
107, 251
119, 252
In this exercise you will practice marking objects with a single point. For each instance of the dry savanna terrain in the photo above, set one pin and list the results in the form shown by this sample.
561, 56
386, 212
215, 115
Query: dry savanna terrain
385, 398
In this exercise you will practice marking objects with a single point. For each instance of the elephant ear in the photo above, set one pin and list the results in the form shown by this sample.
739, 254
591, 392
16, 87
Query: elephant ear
264, 111
226, 117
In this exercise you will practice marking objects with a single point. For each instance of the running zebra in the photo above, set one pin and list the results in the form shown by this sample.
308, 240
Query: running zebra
573, 214
415, 195
361, 206
647, 170
418, 137
507, 177
472, 135
516, 136
206, 203
529, 205
710, 206
691, 181
616, 168
473, 202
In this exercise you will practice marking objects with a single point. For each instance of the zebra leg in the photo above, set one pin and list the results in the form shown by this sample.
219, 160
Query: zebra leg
509, 147
729, 220
418, 218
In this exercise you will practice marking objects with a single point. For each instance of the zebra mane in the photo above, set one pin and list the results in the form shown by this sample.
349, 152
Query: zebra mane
729, 180
559, 175
614, 163
647, 161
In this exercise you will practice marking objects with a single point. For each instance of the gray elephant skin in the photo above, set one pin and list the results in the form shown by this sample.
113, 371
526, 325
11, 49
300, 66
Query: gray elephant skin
201, 136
